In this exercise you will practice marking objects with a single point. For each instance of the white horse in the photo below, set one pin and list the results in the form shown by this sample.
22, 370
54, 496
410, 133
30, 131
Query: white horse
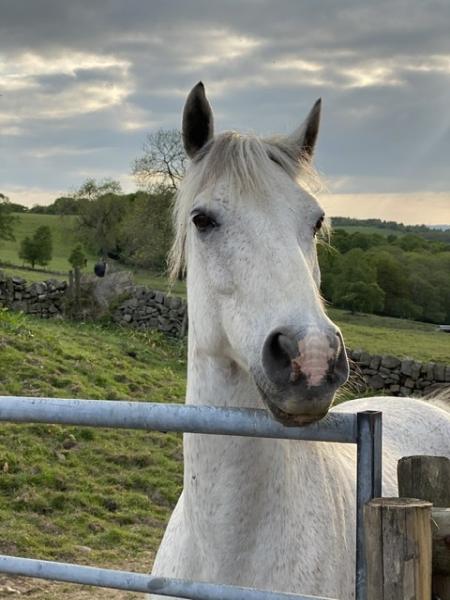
273, 514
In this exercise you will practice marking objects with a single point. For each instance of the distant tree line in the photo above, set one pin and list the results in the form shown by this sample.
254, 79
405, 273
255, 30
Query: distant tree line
429, 233
405, 276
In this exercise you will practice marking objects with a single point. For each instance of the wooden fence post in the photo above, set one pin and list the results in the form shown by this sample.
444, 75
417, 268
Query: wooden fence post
428, 477
398, 549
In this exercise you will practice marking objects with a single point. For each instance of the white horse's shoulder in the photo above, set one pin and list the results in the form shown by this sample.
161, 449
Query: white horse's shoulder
411, 425
394, 407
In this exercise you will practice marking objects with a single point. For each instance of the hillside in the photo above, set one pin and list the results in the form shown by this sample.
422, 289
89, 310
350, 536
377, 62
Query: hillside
62, 236
387, 335
78, 494
64, 241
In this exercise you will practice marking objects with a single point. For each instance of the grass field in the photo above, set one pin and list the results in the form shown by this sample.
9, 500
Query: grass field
63, 239
386, 335
78, 494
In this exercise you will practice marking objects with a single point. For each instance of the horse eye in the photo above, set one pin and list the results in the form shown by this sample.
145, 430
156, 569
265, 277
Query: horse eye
318, 225
203, 222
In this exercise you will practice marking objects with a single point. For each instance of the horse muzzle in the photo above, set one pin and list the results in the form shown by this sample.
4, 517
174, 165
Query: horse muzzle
301, 372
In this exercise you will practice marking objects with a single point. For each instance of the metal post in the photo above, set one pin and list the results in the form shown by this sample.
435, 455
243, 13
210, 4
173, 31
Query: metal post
138, 582
335, 427
368, 485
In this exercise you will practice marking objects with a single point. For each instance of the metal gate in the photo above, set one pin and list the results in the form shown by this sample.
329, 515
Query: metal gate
362, 429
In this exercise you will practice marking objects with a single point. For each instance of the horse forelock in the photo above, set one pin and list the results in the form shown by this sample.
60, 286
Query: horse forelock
245, 161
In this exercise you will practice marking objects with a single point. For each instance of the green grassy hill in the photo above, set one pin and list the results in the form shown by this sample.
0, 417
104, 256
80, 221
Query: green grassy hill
65, 489
386, 335
62, 236
64, 240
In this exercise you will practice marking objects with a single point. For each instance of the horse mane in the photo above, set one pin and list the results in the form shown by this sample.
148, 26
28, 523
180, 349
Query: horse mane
244, 161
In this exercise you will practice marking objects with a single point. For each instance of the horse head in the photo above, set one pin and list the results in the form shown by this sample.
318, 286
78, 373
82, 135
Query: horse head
246, 227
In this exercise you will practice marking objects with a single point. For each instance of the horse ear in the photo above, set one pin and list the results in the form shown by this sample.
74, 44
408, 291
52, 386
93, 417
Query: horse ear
198, 127
304, 138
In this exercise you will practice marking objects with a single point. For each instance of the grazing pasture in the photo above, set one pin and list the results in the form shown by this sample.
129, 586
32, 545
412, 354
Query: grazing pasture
63, 238
78, 494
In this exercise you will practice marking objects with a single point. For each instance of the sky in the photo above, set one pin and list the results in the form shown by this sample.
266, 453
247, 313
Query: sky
83, 82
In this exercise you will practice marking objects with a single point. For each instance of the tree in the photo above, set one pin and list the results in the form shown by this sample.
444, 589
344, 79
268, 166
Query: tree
92, 189
163, 165
64, 205
360, 296
392, 277
99, 222
78, 258
38, 249
7, 219
329, 259
355, 286
147, 230
26, 251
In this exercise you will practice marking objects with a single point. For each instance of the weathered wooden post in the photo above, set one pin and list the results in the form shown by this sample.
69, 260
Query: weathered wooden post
398, 549
428, 477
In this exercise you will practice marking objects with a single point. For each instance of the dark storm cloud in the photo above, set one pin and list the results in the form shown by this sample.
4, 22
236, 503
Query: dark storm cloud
82, 82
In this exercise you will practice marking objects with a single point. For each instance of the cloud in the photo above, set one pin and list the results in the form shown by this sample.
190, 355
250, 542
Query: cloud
81, 83
39, 86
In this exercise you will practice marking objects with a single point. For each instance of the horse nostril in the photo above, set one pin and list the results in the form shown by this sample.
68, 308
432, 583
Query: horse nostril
278, 352
287, 346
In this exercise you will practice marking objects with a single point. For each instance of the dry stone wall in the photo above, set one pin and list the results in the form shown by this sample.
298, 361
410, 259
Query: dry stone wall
149, 309
44, 299
142, 308
397, 376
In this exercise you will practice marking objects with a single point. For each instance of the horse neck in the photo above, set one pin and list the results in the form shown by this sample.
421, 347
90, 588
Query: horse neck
231, 472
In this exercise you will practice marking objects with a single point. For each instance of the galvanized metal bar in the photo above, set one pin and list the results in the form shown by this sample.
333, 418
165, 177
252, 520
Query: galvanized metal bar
138, 582
335, 427
368, 484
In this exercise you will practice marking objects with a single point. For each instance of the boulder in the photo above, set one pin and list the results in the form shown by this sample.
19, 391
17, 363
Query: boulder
107, 289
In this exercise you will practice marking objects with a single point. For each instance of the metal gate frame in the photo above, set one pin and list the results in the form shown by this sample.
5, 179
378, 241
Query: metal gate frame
363, 429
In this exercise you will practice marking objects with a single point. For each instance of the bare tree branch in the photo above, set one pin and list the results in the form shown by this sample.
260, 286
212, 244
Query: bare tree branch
163, 164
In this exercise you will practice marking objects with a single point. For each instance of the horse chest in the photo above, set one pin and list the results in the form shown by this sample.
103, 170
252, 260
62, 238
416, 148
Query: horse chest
268, 512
